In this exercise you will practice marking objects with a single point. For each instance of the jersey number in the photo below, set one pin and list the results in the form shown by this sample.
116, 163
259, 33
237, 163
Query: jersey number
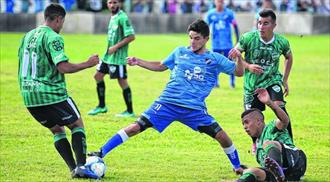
26, 61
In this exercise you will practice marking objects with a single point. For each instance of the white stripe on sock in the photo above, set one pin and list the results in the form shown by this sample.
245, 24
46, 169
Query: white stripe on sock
230, 149
123, 135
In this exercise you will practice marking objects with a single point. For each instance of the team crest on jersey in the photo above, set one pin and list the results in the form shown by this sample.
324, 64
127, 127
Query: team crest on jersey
112, 69
57, 45
276, 88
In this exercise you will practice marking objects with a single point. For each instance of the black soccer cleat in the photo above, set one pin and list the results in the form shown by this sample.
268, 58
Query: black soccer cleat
275, 169
96, 153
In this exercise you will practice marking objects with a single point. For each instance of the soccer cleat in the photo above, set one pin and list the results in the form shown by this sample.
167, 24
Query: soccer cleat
126, 114
96, 153
83, 172
98, 110
275, 169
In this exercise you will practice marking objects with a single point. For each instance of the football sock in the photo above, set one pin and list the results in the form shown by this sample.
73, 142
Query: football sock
254, 139
100, 88
232, 80
79, 145
233, 156
128, 99
63, 147
289, 125
248, 177
273, 152
113, 142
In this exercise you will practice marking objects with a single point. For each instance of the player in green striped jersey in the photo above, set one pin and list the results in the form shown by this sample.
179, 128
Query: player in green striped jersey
263, 49
42, 65
278, 157
120, 34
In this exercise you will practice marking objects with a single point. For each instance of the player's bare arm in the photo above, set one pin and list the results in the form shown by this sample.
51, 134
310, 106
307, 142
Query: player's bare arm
287, 69
254, 68
120, 44
239, 65
153, 66
283, 119
66, 67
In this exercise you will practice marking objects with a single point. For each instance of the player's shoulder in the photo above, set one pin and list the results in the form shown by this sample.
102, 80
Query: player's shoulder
229, 11
280, 38
122, 14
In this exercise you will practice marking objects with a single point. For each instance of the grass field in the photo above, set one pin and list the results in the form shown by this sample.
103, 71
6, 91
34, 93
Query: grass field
178, 154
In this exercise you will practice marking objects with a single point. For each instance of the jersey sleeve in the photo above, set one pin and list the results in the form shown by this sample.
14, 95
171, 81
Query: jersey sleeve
225, 65
56, 49
241, 45
127, 26
207, 18
169, 62
286, 47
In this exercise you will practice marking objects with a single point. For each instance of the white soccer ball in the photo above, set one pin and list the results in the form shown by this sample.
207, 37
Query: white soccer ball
97, 165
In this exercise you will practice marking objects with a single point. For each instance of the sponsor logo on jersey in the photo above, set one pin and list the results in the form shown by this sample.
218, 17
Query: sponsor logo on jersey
196, 74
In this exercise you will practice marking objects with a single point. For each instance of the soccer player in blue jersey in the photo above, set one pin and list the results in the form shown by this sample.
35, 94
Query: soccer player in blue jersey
220, 20
194, 72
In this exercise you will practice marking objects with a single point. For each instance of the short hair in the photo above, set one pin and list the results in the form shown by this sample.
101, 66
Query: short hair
199, 26
268, 13
246, 112
54, 10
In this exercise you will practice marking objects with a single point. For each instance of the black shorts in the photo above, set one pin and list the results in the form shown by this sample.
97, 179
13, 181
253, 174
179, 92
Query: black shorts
62, 113
294, 163
115, 71
275, 92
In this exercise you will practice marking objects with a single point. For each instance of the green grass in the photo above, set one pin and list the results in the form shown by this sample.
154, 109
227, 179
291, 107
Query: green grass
178, 154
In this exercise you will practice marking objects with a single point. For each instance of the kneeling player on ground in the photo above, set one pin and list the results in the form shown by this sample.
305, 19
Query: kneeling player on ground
279, 157
194, 73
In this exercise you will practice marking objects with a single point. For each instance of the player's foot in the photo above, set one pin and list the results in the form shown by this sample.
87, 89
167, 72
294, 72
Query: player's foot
83, 172
98, 110
232, 85
254, 148
96, 153
275, 169
126, 114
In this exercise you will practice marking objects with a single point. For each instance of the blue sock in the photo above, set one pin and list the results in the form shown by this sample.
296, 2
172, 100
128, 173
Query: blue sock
116, 140
233, 156
232, 80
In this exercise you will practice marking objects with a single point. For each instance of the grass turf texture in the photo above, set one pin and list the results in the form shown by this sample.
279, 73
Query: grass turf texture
178, 154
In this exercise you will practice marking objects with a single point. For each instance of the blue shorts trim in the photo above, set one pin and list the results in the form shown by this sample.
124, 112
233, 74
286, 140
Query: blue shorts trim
162, 114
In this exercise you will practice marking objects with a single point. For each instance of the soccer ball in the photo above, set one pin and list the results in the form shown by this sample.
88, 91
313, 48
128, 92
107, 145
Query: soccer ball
97, 165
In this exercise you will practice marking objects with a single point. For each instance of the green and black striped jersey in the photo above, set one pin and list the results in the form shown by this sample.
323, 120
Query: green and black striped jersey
267, 55
40, 82
119, 28
271, 133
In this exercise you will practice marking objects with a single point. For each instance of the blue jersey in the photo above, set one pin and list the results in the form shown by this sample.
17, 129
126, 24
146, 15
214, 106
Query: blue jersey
193, 76
220, 25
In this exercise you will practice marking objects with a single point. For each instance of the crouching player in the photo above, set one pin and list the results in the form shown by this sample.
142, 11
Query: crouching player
279, 158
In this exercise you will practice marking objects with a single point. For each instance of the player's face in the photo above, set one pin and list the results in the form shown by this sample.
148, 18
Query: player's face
113, 6
266, 27
251, 124
219, 3
197, 42
59, 21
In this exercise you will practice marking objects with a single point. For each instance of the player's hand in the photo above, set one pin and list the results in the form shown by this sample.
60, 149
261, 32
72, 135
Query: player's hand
238, 171
132, 61
234, 53
93, 60
263, 95
254, 68
112, 49
286, 88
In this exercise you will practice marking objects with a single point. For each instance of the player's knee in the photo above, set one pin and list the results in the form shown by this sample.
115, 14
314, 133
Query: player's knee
211, 130
143, 123
78, 123
57, 129
98, 76
279, 103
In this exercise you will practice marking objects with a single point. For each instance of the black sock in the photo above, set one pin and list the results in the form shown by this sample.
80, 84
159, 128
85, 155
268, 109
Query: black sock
79, 145
100, 88
254, 139
63, 147
275, 153
128, 99
289, 125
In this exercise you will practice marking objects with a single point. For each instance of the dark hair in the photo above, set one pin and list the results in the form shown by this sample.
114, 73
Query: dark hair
246, 112
54, 10
268, 13
199, 26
